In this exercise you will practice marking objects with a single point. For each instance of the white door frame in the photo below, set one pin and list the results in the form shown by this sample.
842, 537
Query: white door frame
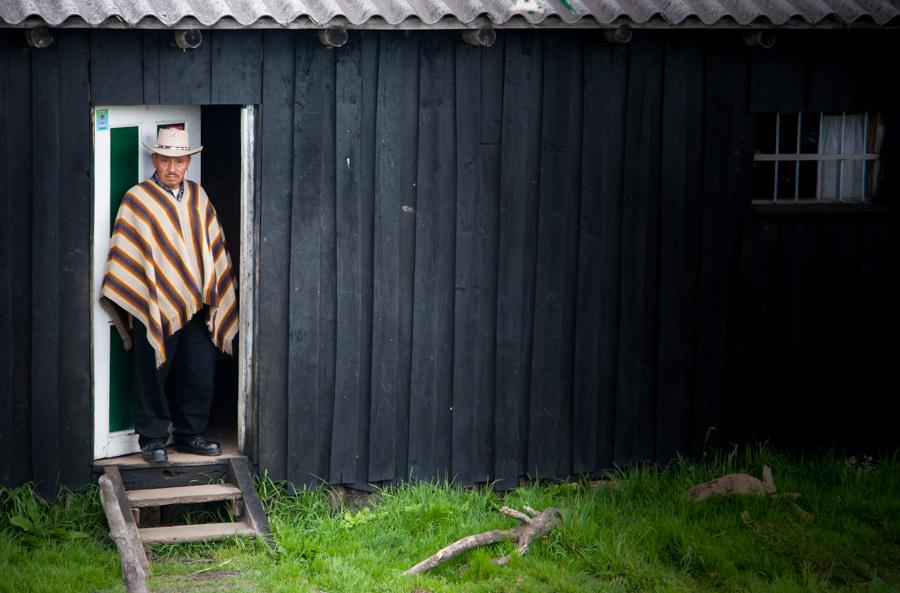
247, 282
111, 445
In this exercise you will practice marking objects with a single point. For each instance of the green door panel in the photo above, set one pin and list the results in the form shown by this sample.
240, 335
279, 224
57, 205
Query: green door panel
124, 173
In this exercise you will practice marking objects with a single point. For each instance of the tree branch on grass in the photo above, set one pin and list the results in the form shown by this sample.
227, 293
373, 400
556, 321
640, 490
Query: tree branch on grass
532, 525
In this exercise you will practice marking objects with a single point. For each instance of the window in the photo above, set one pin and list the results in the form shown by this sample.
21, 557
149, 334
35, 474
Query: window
816, 157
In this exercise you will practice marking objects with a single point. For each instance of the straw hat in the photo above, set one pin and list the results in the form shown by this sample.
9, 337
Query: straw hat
173, 142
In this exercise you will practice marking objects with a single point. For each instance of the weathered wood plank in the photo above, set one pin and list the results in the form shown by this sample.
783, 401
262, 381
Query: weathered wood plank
116, 60
599, 258
432, 345
239, 475
74, 391
150, 40
184, 76
550, 414
520, 157
118, 488
276, 146
638, 325
681, 167
354, 156
778, 78
236, 66
149, 497
8, 250
311, 320
723, 195
17, 135
395, 159
177, 534
45, 455
469, 252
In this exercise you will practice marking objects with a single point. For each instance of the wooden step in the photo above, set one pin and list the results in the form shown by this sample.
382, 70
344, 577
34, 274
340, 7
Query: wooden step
193, 533
151, 497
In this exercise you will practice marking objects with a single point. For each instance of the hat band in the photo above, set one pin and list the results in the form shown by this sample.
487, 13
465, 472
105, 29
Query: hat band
173, 147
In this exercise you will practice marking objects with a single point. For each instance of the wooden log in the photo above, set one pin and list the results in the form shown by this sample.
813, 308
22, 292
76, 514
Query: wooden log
530, 528
132, 572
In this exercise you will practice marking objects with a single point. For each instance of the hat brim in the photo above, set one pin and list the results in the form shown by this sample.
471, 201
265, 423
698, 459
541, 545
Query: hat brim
172, 151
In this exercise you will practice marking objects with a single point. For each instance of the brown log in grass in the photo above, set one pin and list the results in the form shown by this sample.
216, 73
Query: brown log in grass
533, 525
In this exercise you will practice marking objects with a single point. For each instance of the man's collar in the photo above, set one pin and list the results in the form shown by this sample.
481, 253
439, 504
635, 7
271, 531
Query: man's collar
177, 195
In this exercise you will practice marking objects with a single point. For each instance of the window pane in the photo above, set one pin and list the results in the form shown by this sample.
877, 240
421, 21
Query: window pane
808, 177
763, 180
765, 133
809, 134
786, 180
787, 133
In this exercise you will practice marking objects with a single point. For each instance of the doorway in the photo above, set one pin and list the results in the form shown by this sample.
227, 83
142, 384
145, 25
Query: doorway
224, 168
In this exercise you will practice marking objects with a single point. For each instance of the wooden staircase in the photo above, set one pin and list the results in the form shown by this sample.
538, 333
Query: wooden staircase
186, 480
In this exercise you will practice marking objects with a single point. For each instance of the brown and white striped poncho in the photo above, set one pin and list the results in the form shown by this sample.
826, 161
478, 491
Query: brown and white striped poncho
166, 260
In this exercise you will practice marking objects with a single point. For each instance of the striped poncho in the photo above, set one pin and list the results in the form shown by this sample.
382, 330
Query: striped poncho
167, 259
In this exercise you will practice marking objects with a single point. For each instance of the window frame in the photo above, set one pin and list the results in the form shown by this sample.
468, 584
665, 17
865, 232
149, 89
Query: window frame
868, 183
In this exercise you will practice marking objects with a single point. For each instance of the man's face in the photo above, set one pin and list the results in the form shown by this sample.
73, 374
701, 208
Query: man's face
170, 169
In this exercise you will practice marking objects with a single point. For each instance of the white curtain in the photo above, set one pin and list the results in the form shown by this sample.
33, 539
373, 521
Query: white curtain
835, 182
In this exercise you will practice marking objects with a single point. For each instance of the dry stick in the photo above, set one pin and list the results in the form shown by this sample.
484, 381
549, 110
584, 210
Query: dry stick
530, 528
132, 573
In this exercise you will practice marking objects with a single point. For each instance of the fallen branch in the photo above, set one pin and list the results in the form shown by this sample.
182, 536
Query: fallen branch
532, 525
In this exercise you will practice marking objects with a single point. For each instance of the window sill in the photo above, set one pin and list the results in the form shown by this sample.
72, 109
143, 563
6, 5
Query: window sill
794, 208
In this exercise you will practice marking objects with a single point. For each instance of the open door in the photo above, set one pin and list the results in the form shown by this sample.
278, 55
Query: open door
119, 163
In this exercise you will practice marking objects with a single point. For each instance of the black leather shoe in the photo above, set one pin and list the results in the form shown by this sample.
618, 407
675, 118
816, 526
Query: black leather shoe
198, 446
154, 452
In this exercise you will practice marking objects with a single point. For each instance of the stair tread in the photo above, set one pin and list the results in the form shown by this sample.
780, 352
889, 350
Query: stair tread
193, 533
182, 494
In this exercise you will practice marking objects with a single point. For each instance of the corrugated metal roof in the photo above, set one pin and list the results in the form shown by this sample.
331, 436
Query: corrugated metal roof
381, 13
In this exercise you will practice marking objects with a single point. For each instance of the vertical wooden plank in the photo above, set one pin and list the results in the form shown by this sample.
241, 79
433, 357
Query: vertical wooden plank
17, 135
395, 165
778, 78
599, 258
150, 41
116, 67
550, 415
184, 76
875, 398
7, 256
276, 146
74, 354
236, 66
638, 325
751, 377
479, 96
408, 204
682, 169
432, 346
311, 334
840, 306
45, 454
520, 157
725, 191
356, 95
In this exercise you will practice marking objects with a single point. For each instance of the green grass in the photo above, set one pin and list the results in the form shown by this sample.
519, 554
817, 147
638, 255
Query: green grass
638, 536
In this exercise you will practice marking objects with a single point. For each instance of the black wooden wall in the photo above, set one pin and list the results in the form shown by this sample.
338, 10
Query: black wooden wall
535, 258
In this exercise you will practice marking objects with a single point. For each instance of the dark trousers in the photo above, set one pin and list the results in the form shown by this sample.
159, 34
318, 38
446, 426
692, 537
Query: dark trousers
191, 356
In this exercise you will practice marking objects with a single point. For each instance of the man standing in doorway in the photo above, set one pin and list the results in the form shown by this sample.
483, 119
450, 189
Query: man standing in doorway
169, 269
